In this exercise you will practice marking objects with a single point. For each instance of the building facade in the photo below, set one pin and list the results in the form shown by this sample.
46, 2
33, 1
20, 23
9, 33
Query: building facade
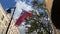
4, 22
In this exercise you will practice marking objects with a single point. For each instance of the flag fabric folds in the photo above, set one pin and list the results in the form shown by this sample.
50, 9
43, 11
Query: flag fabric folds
22, 17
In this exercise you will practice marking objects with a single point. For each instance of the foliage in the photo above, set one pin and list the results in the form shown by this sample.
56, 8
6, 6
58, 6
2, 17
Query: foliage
37, 26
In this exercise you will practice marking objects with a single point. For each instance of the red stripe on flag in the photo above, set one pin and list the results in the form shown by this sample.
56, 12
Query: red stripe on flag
21, 18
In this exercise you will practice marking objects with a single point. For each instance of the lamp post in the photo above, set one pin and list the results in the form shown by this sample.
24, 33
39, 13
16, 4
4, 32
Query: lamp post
10, 20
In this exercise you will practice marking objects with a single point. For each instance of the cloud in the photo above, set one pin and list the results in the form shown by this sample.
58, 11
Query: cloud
19, 6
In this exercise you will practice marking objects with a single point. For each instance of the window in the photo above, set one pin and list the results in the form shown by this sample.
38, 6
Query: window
2, 18
6, 23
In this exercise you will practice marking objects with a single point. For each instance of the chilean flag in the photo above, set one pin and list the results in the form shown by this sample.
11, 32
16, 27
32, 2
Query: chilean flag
22, 17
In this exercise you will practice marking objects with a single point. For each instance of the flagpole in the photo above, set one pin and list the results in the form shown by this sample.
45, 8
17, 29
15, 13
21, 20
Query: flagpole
10, 21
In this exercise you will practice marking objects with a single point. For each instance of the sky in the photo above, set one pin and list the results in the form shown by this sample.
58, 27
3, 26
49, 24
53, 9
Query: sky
11, 3
7, 3
19, 6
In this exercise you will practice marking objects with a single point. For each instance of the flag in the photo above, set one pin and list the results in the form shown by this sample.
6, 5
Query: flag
22, 17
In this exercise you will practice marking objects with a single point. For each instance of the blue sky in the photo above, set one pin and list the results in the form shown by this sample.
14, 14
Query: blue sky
11, 3
7, 3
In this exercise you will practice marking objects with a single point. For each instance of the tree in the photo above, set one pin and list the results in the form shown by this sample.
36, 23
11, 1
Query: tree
37, 26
